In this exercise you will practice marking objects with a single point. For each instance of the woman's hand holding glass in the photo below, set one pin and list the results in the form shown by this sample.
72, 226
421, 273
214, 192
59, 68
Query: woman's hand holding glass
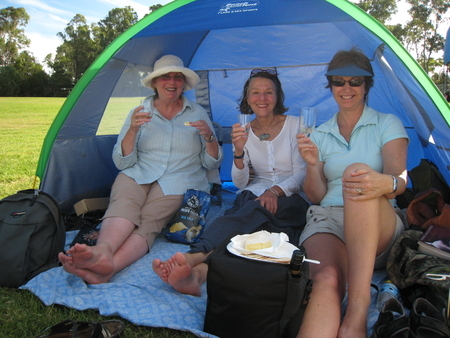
142, 115
239, 137
307, 149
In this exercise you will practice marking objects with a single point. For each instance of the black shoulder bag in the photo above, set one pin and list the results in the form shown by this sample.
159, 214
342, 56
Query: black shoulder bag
250, 298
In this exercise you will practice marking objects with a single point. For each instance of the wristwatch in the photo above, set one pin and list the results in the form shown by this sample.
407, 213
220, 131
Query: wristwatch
238, 157
212, 138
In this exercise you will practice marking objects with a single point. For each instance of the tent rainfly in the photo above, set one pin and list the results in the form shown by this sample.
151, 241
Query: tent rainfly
222, 41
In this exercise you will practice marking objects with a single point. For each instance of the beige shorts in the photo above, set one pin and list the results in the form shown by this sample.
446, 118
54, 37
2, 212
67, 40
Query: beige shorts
145, 205
330, 220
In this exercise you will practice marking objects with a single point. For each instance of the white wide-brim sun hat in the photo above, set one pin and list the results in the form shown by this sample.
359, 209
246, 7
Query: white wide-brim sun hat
168, 64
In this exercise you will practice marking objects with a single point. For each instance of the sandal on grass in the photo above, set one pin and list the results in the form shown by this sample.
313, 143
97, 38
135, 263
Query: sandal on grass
74, 329
427, 321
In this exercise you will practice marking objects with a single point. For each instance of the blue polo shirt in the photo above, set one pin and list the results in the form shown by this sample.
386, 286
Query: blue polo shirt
371, 133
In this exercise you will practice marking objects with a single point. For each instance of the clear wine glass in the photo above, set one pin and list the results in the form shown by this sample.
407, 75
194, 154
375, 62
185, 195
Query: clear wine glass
307, 120
146, 104
244, 120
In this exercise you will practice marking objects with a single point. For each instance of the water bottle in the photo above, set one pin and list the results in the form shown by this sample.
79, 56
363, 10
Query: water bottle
387, 290
296, 263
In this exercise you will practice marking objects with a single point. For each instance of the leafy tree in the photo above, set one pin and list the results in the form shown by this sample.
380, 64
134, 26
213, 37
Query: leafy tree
155, 7
422, 37
116, 22
60, 82
33, 79
399, 31
12, 38
9, 81
419, 35
78, 50
381, 10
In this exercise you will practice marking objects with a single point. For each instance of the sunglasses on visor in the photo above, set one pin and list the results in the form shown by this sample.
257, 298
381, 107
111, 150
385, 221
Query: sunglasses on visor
270, 71
355, 82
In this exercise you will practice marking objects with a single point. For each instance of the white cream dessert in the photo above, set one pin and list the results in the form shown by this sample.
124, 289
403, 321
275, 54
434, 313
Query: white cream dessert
257, 242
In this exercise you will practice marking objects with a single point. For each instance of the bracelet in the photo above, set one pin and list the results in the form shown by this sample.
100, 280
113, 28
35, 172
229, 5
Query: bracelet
273, 191
238, 157
394, 184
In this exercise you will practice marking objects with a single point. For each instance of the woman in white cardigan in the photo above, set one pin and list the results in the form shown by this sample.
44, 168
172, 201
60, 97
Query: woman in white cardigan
270, 200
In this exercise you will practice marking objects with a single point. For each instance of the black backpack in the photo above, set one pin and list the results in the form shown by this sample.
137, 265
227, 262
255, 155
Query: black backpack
32, 233
424, 177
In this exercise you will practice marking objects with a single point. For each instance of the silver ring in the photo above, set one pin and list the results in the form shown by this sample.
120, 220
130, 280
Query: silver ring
359, 191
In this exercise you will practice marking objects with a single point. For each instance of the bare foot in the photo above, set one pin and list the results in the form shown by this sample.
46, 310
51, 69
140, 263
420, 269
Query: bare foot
92, 264
160, 269
94, 258
182, 277
64, 259
87, 275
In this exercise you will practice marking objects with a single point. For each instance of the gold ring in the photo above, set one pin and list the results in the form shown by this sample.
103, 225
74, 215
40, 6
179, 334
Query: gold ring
135, 120
359, 191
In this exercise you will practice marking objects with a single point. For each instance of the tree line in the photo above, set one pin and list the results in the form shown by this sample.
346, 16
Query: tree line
82, 43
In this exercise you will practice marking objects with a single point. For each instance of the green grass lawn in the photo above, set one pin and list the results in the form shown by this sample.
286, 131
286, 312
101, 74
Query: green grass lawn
24, 124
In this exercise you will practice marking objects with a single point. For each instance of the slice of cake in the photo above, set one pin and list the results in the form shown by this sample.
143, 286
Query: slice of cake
257, 242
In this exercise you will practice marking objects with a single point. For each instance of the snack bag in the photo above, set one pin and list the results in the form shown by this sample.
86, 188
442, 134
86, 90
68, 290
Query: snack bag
188, 224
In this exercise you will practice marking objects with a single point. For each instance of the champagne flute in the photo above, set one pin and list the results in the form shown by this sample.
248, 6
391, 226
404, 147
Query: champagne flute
146, 104
307, 120
244, 120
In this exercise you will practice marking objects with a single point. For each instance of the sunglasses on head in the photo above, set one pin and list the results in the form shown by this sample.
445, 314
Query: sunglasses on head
355, 82
270, 71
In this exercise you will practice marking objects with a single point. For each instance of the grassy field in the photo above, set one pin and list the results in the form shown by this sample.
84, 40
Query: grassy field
25, 122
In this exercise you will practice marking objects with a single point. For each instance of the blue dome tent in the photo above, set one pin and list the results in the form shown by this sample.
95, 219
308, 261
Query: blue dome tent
222, 41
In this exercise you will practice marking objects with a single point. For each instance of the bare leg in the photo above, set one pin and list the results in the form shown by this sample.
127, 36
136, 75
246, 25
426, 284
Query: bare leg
369, 225
323, 314
116, 249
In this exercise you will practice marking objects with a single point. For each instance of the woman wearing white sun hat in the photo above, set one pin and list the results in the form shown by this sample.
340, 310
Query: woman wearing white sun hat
161, 153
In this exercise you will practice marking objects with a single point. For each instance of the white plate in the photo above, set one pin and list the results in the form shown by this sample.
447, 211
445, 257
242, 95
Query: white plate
281, 256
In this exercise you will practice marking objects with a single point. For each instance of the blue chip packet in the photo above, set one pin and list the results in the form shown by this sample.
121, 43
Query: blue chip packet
188, 224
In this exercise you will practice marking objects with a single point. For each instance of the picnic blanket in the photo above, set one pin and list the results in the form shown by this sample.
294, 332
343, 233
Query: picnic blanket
137, 294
